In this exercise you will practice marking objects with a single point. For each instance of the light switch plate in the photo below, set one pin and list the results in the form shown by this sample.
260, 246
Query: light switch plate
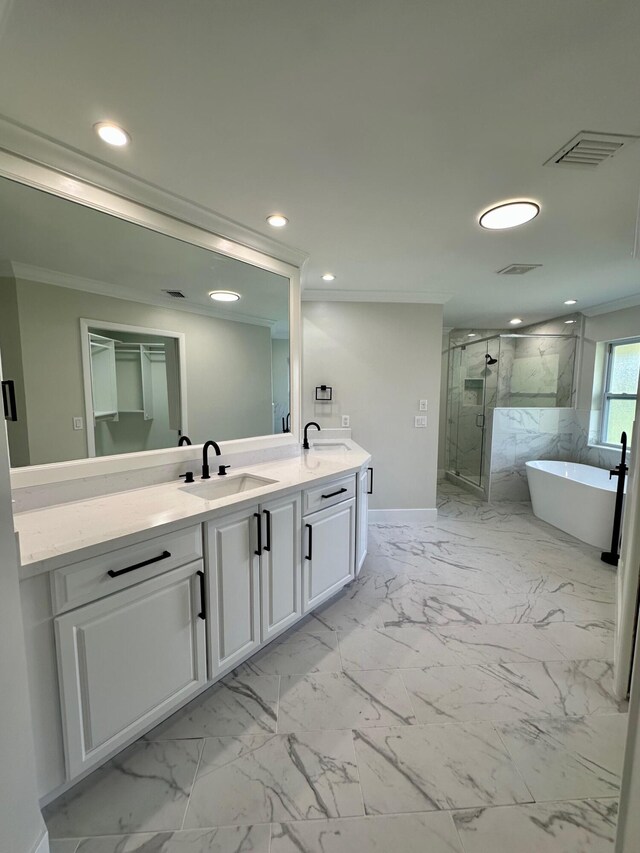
77, 423
420, 421
346, 421
423, 405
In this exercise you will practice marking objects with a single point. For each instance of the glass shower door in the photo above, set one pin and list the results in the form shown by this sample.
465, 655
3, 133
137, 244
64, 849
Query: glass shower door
470, 380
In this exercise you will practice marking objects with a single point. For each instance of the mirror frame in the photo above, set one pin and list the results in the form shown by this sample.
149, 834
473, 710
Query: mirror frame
49, 179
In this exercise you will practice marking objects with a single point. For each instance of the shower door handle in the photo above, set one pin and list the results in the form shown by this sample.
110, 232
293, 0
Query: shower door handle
480, 421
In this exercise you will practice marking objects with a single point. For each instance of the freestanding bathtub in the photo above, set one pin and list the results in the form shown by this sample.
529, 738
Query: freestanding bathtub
578, 499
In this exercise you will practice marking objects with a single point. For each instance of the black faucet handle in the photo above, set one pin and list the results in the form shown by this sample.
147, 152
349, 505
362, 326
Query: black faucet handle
188, 477
222, 470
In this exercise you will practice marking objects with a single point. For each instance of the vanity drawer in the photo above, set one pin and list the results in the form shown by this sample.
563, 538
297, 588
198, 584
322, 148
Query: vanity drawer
89, 580
331, 493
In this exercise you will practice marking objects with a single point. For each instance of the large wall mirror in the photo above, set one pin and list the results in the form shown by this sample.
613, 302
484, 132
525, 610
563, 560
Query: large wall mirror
113, 344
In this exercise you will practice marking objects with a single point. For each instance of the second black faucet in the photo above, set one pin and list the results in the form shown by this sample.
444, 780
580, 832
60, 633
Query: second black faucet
222, 469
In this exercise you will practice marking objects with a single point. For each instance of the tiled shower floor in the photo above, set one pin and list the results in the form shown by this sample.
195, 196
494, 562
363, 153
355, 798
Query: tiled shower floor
455, 699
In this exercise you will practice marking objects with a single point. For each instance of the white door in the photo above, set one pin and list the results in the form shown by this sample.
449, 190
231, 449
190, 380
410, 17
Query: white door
127, 660
233, 559
364, 484
329, 552
21, 824
281, 565
628, 573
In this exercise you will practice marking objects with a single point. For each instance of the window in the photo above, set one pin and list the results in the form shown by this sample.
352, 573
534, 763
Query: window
620, 390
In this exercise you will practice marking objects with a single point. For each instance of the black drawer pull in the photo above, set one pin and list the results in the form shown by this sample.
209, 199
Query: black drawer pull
163, 556
333, 494
203, 606
309, 554
266, 512
370, 489
258, 518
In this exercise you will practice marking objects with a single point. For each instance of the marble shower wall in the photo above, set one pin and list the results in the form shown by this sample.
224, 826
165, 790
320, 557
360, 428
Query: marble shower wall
537, 371
520, 435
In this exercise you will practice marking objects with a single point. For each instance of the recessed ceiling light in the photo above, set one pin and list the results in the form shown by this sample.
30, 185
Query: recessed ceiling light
516, 321
570, 301
328, 276
277, 220
224, 296
568, 322
111, 133
508, 214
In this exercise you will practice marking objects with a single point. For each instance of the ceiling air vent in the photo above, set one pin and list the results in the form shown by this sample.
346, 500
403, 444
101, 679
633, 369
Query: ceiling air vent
588, 149
518, 269
175, 294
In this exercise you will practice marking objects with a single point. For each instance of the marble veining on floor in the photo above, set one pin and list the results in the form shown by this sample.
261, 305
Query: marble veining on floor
456, 696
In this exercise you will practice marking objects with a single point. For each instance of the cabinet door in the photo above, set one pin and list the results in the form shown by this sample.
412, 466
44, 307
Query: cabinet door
329, 555
234, 587
363, 517
127, 660
280, 568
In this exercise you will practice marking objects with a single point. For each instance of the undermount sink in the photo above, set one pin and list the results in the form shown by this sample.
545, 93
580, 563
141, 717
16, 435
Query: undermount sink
222, 487
329, 445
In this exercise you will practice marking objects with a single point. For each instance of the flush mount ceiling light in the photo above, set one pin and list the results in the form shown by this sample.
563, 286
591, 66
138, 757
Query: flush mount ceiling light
471, 335
516, 321
568, 322
224, 296
328, 276
570, 301
508, 214
277, 220
111, 133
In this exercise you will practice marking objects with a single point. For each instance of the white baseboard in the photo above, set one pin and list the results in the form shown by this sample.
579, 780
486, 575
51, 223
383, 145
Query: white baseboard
403, 516
43, 845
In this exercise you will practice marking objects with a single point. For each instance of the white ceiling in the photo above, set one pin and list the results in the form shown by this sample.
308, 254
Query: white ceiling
379, 127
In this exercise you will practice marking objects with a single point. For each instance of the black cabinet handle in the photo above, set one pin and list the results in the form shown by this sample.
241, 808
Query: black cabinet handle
370, 489
203, 606
333, 494
266, 512
309, 554
258, 518
9, 400
163, 556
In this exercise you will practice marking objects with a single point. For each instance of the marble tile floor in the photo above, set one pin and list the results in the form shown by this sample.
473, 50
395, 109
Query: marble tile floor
455, 697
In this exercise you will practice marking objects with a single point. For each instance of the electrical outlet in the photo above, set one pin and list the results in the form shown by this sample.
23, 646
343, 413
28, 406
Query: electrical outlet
346, 421
423, 405
420, 421
77, 423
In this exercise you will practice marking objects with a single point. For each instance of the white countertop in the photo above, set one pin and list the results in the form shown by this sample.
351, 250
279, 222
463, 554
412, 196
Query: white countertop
57, 535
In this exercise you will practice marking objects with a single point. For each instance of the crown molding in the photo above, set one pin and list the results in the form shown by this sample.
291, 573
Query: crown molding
406, 296
613, 305
28, 272
27, 143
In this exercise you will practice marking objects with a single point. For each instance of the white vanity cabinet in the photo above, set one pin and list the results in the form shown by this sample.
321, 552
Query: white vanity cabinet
127, 660
281, 565
365, 488
253, 559
329, 540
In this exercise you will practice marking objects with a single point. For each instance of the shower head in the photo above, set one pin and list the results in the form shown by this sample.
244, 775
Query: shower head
490, 360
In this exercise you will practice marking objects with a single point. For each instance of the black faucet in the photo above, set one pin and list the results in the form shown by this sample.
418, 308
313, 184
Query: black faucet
205, 457
305, 443
184, 439
620, 471
286, 423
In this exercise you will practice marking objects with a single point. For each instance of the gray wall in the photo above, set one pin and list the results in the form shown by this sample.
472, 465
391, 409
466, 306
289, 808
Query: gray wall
11, 355
381, 359
280, 370
228, 367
